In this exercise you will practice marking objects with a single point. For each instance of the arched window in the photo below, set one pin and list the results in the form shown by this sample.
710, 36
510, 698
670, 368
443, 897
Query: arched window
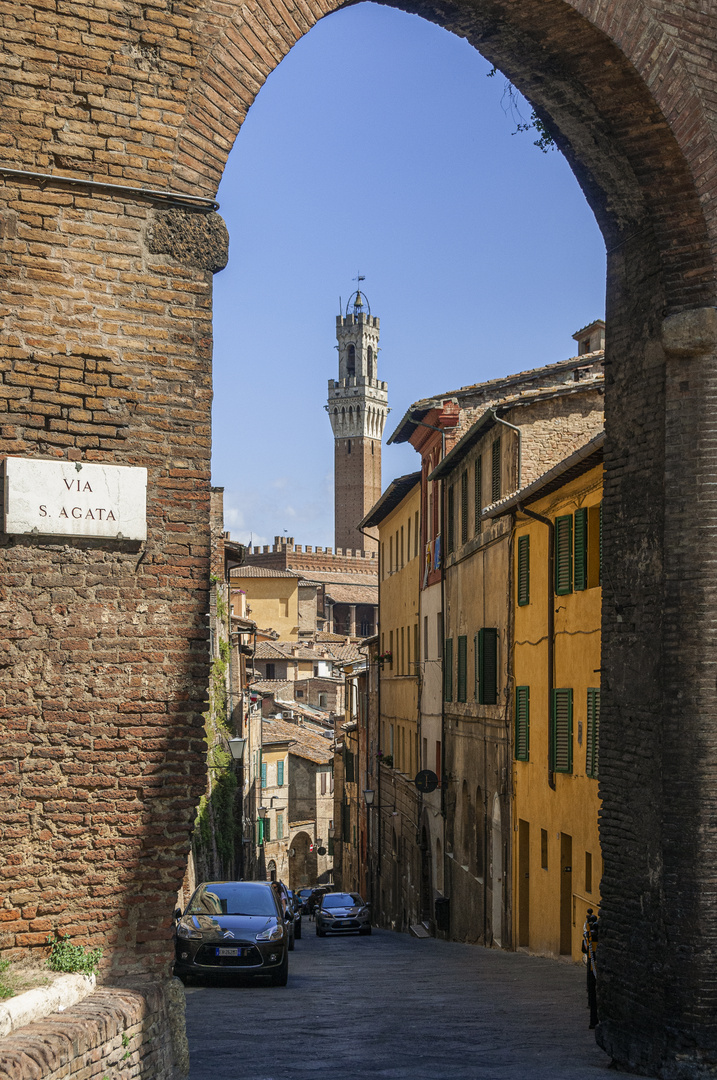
351, 361
343, 416
369, 362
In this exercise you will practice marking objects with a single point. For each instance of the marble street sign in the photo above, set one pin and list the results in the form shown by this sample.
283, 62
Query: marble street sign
72, 498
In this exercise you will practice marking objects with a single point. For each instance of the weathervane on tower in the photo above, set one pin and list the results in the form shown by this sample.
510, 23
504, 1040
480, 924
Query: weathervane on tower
357, 408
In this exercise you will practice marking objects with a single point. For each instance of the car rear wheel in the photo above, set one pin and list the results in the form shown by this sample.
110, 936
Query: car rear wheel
297, 931
320, 933
281, 976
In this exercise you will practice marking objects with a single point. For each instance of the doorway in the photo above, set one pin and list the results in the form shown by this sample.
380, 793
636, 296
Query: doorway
497, 874
524, 883
566, 894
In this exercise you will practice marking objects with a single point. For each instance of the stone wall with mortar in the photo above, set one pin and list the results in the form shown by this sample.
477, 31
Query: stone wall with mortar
105, 343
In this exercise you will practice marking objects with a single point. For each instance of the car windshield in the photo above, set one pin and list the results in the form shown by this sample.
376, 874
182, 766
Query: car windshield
232, 898
341, 899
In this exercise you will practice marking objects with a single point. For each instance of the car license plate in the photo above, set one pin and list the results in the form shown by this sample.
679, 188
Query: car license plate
345, 922
229, 952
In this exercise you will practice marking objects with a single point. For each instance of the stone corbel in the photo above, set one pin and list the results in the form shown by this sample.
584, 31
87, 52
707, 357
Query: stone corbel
690, 333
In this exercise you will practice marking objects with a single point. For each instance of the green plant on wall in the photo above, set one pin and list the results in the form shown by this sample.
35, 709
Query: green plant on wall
215, 832
64, 956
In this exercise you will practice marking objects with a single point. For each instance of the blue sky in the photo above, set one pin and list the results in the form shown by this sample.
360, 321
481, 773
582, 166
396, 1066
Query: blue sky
381, 145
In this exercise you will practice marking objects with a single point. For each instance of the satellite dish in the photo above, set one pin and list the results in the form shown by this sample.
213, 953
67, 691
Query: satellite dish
292, 852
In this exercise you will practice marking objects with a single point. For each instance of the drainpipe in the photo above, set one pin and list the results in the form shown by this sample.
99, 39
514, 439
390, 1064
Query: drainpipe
520, 445
551, 627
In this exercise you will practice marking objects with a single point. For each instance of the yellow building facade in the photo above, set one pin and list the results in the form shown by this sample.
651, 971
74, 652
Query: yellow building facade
272, 598
399, 570
557, 865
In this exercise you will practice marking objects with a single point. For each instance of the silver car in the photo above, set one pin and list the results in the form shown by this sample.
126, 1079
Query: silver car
342, 913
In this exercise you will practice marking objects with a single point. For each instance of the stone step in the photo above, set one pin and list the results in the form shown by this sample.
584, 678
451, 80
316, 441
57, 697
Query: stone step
419, 930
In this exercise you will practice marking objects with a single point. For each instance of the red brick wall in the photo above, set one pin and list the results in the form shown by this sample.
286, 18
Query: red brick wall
136, 1031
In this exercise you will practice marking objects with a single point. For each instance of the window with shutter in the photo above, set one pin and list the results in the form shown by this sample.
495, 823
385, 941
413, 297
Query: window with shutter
448, 670
477, 493
522, 723
495, 472
450, 523
580, 566
464, 507
260, 831
562, 731
279, 826
564, 554
263, 774
523, 570
488, 666
279, 773
593, 732
345, 823
462, 669
267, 828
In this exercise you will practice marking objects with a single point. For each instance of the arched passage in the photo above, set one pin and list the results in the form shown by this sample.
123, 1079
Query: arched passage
626, 100
619, 121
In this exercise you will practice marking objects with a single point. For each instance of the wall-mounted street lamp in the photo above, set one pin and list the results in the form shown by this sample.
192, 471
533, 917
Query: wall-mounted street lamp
236, 748
262, 811
369, 795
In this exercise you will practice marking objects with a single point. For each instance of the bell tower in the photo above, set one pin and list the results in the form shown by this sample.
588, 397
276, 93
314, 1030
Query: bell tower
357, 407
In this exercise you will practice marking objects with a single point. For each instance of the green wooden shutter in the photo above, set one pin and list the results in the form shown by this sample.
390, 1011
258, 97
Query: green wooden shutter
279, 826
580, 566
260, 831
462, 669
593, 732
488, 666
464, 506
448, 670
263, 774
476, 667
450, 523
523, 570
478, 493
522, 723
266, 824
562, 731
564, 554
279, 773
495, 471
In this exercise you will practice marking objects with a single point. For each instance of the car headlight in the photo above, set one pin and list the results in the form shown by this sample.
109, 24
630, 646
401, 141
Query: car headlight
274, 933
185, 931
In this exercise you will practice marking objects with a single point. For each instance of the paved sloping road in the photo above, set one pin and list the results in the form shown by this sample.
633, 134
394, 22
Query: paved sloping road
392, 1006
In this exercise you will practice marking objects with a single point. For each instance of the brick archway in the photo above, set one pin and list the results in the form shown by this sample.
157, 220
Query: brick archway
106, 356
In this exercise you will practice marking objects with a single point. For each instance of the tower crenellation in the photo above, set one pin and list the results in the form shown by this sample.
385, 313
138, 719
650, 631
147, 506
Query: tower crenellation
357, 408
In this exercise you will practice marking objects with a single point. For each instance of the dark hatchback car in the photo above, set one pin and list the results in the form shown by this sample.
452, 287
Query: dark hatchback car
342, 913
233, 928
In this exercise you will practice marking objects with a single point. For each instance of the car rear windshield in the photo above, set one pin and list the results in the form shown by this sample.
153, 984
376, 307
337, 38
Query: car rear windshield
232, 898
341, 899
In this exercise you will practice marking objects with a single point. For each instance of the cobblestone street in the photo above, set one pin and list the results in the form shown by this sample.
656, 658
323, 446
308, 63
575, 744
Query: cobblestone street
393, 1006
